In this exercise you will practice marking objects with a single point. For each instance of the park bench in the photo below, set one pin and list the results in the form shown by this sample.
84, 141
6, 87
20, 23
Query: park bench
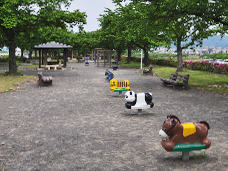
177, 80
81, 60
149, 70
109, 75
119, 86
44, 80
52, 65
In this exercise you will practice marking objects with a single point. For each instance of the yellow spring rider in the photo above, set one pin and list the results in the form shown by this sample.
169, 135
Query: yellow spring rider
119, 86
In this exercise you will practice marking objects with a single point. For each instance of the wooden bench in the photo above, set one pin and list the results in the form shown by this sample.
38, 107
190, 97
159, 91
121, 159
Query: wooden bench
52, 66
55, 67
109, 75
149, 70
177, 80
81, 60
44, 80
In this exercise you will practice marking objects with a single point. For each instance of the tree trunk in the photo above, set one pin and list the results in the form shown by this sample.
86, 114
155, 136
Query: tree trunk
12, 57
35, 54
129, 54
146, 58
30, 54
22, 54
84, 53
119, 55
179, 55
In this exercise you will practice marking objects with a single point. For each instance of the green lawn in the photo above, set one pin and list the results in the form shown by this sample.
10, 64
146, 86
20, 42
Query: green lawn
9, 83
198, 79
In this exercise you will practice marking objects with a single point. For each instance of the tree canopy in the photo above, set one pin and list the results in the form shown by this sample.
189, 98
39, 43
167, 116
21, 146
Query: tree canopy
25, 16
142, 24
183, 22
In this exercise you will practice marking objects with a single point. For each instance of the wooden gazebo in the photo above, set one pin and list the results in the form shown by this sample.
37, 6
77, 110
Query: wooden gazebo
52, 45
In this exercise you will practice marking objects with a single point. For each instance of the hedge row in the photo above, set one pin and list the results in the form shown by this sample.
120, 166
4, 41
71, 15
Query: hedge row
156, 61
206, 66
193, 65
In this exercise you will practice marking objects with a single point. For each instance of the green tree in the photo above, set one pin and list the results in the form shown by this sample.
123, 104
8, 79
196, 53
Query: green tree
17, 16
184, 22
111, 33
141, 30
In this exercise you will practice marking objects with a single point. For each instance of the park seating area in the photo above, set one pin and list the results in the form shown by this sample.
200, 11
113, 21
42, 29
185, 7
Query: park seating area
52, 66
176, 80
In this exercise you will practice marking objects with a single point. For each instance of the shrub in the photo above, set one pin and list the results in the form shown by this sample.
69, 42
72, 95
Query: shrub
206, 66
193, 65
4, 58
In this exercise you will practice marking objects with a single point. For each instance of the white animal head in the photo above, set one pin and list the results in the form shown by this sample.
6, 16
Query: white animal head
130, 96
162, 134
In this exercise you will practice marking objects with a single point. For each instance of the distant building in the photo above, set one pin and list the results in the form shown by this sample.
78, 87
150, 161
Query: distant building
18, 51
205, 47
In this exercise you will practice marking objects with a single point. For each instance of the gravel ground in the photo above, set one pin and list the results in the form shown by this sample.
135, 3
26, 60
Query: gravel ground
79, 124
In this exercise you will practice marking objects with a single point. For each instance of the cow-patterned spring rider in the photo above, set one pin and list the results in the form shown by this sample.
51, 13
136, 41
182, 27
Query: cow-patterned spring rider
138, 101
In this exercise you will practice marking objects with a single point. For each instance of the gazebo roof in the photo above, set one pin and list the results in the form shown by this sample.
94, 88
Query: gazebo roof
52, 45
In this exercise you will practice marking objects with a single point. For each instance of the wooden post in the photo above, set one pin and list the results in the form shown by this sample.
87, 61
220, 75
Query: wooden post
72, 54
40, 57
98, 56
104, 56
45, 56
110, 58
65, 56
92, 55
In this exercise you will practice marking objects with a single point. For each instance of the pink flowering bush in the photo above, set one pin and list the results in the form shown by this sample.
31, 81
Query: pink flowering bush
220, 68
193, 65
206, 66
4, 58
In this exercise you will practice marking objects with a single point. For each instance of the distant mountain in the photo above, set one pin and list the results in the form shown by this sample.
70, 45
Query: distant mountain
215, 41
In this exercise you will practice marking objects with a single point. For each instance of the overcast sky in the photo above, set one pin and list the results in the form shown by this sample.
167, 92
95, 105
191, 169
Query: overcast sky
93, 9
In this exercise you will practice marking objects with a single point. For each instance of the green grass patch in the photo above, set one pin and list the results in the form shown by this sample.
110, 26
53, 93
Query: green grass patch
131, 64
202, 155
4, 64
198, 79
9, 83
30, 66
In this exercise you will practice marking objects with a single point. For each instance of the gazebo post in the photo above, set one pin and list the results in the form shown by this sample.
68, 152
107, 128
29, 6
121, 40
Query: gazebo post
39, 58
72, 54
46, 56
65, 56
42, 56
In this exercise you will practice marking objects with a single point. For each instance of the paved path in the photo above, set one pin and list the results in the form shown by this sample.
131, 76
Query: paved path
79, 124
